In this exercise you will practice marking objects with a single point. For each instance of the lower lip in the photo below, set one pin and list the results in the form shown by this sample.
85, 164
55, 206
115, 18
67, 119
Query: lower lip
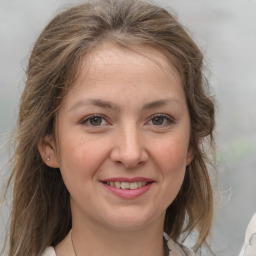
128, 193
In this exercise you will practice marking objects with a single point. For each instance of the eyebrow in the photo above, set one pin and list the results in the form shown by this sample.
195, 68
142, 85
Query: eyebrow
96, 102
107, 104
159, 103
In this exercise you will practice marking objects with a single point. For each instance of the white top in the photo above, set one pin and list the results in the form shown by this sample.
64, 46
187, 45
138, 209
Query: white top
249, 246
174, 250
49, 251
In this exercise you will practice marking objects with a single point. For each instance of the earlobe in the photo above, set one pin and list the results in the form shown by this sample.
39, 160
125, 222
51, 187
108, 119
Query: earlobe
47, 149
190, 156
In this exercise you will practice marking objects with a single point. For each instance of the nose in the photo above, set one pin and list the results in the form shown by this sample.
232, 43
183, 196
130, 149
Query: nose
128, 149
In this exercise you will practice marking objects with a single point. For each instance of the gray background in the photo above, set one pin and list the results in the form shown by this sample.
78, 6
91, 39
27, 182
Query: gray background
226, 32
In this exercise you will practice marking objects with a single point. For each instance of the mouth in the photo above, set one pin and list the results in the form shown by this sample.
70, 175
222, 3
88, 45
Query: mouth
127, 185
128, 188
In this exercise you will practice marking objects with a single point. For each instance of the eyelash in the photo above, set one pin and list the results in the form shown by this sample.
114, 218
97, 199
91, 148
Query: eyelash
86, 120
167, 120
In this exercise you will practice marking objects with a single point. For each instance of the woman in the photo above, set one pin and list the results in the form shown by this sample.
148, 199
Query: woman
111, 128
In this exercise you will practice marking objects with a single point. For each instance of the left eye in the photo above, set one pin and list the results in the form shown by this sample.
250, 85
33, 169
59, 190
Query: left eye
95, 120
160, 120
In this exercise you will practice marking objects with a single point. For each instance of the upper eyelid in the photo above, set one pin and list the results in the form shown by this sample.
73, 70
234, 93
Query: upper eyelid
85, 119
162, 115
169, 120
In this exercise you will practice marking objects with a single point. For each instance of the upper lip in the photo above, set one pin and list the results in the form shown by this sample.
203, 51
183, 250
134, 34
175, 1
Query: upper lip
124, 179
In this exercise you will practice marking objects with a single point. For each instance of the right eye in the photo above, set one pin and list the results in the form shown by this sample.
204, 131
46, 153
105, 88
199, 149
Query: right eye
94, 120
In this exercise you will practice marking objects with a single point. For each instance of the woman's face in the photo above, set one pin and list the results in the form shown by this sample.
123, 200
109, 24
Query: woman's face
122, 138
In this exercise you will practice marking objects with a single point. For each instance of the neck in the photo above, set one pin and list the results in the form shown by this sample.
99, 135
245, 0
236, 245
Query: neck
98, 240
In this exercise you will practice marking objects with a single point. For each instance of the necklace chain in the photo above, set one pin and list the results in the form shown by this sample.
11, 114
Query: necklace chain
73, 247
72, 243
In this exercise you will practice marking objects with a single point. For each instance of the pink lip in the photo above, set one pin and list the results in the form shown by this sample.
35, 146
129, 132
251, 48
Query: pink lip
124, 179
128, 193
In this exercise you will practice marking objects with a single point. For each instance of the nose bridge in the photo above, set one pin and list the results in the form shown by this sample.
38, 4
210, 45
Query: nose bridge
129, 146
131, 140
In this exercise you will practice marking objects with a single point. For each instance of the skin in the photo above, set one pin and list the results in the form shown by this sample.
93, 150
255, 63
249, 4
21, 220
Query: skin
142, 129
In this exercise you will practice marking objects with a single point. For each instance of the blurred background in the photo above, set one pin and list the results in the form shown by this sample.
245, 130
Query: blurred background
226, 33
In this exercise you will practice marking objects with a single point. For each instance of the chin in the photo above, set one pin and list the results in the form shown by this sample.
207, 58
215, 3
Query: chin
132, 221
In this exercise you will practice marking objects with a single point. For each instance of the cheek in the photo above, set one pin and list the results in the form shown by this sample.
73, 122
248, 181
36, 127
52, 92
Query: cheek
172, 163
81, 158
172, 154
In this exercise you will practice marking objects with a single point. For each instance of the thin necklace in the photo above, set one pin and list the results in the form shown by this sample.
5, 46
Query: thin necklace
72, 243
165, 251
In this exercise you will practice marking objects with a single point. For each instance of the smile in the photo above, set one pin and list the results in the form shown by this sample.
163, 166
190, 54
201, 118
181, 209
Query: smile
127, 185
127, 188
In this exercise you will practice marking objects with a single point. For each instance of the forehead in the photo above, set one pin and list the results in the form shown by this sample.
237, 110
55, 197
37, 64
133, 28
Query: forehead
138, 59
142, 72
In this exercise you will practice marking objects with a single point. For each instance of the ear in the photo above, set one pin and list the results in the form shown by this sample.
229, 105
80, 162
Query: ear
47, 149
190, 156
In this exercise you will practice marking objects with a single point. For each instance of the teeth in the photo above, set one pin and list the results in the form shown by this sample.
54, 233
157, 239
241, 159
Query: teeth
133, 185
116, 184
127, 185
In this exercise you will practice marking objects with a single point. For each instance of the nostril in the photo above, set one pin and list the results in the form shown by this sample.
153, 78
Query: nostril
127, 157
119, 163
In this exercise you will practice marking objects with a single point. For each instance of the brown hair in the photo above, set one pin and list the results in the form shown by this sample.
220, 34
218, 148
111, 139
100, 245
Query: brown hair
41, 213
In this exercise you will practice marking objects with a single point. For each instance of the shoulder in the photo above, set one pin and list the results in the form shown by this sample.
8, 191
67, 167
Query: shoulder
176, 249
249, 246
49, 251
